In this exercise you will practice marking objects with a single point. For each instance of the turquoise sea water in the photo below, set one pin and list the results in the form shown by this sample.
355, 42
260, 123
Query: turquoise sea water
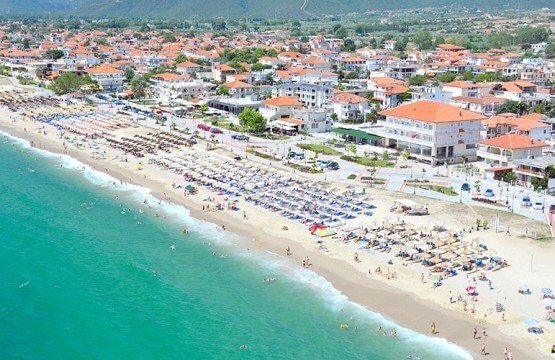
76, 281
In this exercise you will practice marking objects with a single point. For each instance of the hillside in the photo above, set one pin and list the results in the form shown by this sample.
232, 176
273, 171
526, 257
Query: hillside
272, 8
241, 8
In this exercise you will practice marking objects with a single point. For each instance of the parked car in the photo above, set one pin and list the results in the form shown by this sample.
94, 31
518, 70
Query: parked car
538, 205
333, 165
526, 202
295, 155
465, 187
204, 127
489, 193
240, 137
215, 130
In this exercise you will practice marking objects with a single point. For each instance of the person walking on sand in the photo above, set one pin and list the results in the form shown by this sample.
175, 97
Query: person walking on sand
484, 332
474, 332
483, 352
433, 327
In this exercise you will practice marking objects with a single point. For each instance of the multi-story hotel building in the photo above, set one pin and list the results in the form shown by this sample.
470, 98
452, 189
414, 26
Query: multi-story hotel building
433, 132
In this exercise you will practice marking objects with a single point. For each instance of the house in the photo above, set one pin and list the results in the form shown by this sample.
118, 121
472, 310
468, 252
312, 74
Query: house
466, 88
401, 70
487, 105
538, 47
528, 168
353, 63
220, 72
503, 150
349, 107
387, 91
522, 91
110, 78
432, 131
239, 88
169, 86
280, 107
510, 123
188, 67
310, 95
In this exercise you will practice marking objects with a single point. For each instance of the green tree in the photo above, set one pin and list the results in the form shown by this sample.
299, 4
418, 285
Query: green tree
541, 184
129, 73
418, 80
423, 39
439, 40
258, 67
253, 120
341, 32
514, 107
138, 86
54, 54
500, 39
531, 35
69, 82
550, 50
539, 109
351, 75
446, 77
168, 37
179, 59
348, 45
222, 90
468, 76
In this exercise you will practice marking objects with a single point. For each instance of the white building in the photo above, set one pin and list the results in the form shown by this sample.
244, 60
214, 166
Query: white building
503, 150
432, 131
310, 95
111, 79
349, 107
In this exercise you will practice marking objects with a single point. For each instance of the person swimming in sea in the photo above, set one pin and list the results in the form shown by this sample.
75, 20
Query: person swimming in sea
172, 247
154, 272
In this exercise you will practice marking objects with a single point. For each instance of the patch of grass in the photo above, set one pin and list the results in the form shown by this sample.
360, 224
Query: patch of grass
351, 177
367, 161
271, 136
227, 125
305, 169
260, 154
319, 149
437, 188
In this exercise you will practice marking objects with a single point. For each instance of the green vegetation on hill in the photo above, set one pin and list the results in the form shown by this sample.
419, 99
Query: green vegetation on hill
244, 8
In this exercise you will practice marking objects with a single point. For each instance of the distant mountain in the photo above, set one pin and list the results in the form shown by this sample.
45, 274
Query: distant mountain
37, 6
242, 8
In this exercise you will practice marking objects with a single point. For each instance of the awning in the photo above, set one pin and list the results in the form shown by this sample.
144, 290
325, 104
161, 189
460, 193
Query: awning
356, 133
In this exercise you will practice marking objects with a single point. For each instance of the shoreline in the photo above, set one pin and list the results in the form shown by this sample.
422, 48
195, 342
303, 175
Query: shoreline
411, 312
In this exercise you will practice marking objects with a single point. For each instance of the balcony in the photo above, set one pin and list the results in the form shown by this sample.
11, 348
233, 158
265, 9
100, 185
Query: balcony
410, 128
491, 156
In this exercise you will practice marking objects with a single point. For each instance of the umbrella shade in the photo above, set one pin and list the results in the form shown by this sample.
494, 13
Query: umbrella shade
531, 321
548, 303
547, 291
523, 288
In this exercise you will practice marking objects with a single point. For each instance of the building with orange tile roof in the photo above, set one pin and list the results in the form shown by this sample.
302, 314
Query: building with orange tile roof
432, 131
503, 150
